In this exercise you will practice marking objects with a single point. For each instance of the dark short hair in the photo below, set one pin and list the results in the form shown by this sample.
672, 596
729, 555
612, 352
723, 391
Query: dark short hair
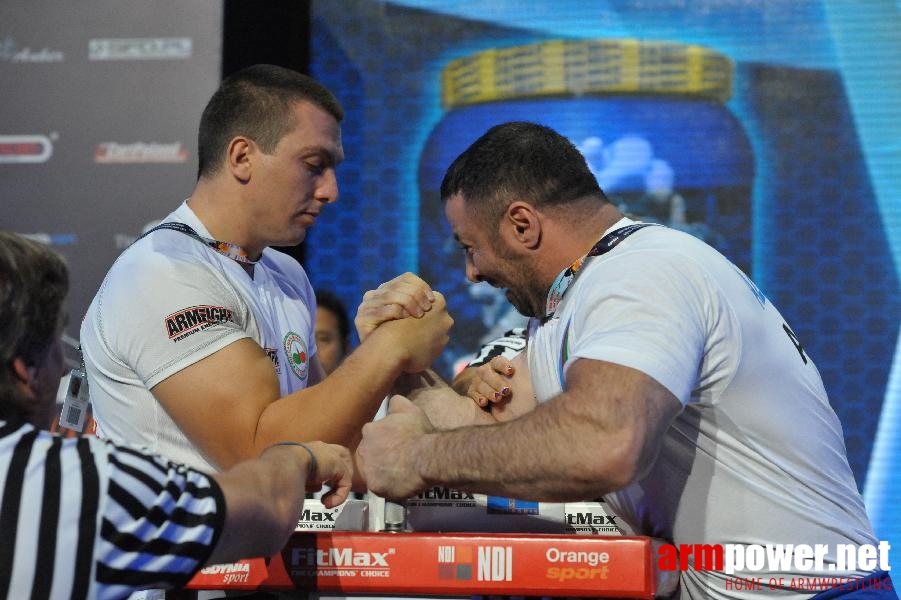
521, 160
331, 302
256, 102
34, 281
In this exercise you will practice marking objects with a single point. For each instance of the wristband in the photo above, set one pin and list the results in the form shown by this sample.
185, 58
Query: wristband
313, 464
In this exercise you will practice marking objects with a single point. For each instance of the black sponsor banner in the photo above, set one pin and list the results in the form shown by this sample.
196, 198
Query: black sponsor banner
99, 120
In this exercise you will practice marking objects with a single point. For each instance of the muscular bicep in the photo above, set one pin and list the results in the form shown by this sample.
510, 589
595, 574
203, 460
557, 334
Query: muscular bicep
628, 410
217, 401
600, 434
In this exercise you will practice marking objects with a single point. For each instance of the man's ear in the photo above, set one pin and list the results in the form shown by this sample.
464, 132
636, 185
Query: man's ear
25, 375
238, 158
524, 223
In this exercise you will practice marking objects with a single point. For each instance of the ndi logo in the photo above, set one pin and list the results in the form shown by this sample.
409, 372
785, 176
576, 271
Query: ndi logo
455, 562
493, 563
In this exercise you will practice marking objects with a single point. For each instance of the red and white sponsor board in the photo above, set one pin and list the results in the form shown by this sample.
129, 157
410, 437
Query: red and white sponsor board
447, 564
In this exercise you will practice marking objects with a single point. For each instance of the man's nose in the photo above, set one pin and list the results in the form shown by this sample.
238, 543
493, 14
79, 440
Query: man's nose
472, 274
327, 190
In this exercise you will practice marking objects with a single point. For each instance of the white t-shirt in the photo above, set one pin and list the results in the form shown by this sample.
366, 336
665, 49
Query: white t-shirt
169, 301
757, 454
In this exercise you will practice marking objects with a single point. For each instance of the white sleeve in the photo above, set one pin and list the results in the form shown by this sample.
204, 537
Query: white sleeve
647, 315
159, 314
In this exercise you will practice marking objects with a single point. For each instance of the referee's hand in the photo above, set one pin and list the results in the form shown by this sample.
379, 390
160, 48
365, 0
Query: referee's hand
334, 469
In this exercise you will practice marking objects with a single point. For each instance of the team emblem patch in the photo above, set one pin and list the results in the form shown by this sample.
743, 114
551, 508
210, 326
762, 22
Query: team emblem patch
296, 351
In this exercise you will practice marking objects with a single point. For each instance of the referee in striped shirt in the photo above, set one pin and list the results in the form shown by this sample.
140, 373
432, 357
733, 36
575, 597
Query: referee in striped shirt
84, 518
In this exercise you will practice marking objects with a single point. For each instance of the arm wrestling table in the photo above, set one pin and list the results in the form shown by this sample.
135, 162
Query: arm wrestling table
322, 557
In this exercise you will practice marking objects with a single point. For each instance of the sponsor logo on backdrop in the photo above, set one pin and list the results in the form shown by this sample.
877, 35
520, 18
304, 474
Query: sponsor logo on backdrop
11, 52
52, 239
26, 148
139, 152
140, 48
189, 321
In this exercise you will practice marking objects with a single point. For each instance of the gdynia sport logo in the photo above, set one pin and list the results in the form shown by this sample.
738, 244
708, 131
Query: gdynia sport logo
801, 559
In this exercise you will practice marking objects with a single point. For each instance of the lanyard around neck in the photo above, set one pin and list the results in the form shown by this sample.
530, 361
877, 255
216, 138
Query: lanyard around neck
568, 275
232, 251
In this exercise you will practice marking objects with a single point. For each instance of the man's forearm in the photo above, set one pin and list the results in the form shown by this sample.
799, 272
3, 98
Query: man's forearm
444, 407
263, 498
545, 455
335, 409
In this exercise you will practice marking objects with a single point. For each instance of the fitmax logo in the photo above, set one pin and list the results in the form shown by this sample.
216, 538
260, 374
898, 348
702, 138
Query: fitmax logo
441, 493
587, 518
339, 557
308, 515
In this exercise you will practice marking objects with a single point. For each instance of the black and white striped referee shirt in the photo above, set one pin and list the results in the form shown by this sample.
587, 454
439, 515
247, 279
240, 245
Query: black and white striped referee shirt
508, 345
84, 518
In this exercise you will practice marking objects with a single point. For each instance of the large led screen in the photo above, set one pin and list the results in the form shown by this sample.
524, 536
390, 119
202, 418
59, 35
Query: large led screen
768, 129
